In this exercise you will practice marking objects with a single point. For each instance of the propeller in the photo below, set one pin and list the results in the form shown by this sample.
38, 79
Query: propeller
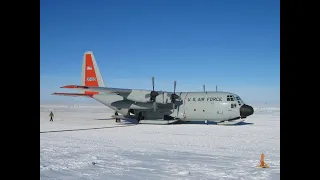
204, 88
153, 95
174, 96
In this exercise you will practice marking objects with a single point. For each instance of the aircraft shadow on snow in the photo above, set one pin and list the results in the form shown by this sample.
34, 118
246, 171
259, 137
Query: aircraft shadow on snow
105, 119
210, 123
214, 123
85, 129
133, 121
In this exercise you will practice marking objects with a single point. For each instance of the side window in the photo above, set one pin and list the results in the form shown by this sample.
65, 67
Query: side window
229, 98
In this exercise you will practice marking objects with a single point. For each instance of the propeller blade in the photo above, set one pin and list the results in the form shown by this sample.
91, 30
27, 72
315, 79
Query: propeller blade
204, 88
153, 83
173, 95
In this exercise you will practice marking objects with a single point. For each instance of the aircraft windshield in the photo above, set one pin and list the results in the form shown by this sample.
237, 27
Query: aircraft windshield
235, 98
240, 102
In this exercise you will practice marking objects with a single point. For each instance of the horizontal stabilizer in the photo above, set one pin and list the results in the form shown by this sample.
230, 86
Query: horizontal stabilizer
99, 89
73, 94
75, 87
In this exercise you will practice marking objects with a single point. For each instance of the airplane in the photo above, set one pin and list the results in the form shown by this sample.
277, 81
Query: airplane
159, 107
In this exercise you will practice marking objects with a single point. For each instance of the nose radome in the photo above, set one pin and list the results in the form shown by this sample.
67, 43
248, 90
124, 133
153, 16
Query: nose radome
246, 110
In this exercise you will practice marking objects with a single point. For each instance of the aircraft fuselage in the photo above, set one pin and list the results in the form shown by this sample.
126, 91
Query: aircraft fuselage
192, 106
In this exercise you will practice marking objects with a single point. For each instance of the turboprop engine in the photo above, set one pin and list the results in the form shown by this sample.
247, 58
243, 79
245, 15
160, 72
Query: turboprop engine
156, 97
142, 97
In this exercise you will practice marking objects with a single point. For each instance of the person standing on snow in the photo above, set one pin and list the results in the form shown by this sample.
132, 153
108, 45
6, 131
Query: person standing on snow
51, 116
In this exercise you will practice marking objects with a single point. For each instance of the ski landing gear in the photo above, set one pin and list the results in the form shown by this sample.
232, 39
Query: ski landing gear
117, 119
139, 117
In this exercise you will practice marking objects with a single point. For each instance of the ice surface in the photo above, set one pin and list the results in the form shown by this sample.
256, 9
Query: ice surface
83, 143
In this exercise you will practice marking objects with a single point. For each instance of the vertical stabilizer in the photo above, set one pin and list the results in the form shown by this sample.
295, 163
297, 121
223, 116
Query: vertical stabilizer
90, 71
90, 75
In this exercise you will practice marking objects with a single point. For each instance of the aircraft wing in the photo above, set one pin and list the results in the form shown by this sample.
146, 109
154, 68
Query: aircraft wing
103, 90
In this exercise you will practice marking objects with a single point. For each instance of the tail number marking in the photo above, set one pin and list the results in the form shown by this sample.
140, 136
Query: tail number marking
91, 79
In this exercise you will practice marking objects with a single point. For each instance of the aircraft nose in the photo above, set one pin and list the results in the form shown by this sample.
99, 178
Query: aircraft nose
246, 110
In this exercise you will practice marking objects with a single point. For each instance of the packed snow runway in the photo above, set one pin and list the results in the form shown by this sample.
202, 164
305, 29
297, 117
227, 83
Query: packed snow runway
83, 143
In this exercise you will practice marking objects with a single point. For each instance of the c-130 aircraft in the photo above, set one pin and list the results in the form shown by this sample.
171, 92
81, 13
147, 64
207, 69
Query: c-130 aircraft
159, 107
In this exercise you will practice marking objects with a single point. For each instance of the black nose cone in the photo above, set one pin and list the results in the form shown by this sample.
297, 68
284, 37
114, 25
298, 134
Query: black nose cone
246, 110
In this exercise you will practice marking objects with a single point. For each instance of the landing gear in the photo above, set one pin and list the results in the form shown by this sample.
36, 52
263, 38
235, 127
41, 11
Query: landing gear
117, 119
139, 117
206, 122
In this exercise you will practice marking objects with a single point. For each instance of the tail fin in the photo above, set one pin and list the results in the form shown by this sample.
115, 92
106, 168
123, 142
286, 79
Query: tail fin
90, 76
90, 71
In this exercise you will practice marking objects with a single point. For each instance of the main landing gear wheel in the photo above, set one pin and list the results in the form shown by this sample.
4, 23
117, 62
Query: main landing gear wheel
117, 119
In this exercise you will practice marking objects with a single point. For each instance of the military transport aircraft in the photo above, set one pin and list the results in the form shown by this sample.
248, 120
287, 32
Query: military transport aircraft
159, 107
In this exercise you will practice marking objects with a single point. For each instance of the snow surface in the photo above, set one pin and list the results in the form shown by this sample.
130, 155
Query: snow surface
83, 143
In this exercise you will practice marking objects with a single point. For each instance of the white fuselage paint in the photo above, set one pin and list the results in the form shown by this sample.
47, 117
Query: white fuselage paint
195, 106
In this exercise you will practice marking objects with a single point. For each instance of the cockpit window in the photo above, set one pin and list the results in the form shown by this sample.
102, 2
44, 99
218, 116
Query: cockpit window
233, 105
240, 102
230, 98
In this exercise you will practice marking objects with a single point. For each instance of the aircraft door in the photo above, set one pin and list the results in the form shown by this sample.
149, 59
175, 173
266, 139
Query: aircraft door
192, 108
233, 107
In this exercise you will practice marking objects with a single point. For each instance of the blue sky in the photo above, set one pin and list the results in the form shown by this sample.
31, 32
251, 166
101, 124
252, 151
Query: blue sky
233, 44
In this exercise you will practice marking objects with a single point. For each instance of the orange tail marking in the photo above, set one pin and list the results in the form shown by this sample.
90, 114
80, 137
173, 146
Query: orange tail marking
90, 74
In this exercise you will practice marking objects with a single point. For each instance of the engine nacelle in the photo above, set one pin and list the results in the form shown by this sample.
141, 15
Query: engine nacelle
142, 96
